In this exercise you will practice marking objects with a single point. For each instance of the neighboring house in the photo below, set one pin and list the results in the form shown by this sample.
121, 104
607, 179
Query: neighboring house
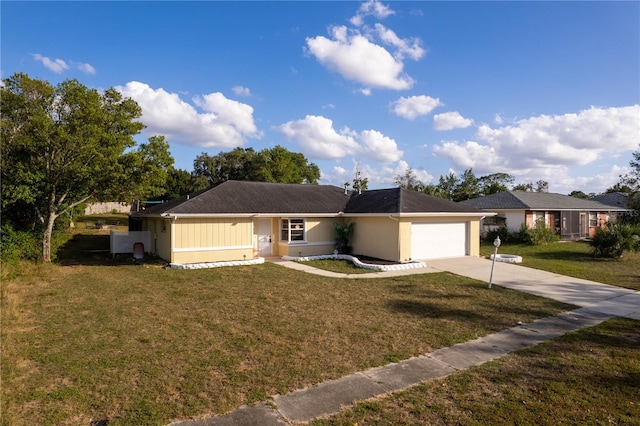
572, 218
239, 220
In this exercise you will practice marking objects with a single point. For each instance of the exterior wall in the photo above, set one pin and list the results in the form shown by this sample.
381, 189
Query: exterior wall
603, 218
320, 238
473, 237
515, 219
212, 239
376, 237
107, 207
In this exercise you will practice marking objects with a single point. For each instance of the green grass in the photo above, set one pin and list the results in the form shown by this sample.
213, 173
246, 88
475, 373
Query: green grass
588, 377
340, 266
575, 259
100, 339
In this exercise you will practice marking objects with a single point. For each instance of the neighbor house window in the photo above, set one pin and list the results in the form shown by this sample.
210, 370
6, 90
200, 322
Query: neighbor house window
538, 219
292, 230
593, 219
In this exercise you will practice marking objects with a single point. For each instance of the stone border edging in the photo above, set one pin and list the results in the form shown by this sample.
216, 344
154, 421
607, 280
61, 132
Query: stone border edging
507, 258
206, 265
358, 263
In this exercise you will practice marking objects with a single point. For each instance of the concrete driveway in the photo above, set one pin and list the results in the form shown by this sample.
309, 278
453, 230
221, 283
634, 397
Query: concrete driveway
604, 298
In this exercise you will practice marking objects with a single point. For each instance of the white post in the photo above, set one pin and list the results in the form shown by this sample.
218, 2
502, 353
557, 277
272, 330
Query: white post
496, 244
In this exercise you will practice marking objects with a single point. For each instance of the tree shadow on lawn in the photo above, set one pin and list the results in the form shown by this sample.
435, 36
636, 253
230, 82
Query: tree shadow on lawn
563, 255
94, 250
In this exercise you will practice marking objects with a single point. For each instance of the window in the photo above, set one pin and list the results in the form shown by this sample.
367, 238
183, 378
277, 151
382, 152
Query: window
292, 230
539, 220
593, 219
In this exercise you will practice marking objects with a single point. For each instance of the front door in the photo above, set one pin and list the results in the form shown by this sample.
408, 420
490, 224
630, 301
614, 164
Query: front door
264, 237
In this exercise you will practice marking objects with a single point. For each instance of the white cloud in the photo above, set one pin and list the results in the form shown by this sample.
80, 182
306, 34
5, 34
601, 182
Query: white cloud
55, 65
545, 147
410, 46
450, 120
85, 68
498, 119
319, 140
58, 66
222, 123
241, 91
415, 106
379, 147
371, 8
356, 58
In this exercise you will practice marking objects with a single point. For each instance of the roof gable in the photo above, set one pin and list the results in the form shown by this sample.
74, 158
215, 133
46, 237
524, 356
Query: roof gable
400, 200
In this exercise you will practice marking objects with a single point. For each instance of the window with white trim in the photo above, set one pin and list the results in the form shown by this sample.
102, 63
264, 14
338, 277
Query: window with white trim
593, 219
292, 230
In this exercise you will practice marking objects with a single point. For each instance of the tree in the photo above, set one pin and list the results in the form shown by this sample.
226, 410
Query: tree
276, 164
467, 187
408, 180
619, 187
61, 146
578, 194
146, 170
523, 187
542, 186
632, 179
239, 164
494, 183
179, 183
359, 183
447, 185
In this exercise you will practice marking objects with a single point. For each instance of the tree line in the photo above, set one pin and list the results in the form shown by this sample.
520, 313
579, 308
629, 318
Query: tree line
468, 185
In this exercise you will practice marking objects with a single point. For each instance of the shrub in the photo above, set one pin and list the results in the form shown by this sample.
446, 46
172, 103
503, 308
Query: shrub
541, 234
615, 239
502, 232
343, 236
19, 245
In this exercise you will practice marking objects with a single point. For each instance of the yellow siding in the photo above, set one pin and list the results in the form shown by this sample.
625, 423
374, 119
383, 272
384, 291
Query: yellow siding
161, 240
376, 237
213, 233
212, 255
320, 230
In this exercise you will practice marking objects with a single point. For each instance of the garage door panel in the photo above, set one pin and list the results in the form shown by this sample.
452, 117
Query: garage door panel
439, 240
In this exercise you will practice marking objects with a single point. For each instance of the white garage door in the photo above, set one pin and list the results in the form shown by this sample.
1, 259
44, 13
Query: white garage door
438, 240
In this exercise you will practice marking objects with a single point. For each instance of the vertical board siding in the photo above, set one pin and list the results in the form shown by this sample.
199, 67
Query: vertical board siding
213, 232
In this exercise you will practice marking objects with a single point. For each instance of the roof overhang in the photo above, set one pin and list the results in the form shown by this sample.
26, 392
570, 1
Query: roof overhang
425, 214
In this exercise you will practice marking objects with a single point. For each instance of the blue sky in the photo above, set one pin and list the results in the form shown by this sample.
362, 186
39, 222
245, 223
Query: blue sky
539, 90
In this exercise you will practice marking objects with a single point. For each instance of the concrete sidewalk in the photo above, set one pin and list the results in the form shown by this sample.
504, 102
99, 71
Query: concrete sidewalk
598, 302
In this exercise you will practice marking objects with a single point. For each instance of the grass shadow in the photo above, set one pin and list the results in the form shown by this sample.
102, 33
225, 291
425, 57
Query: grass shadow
93, 250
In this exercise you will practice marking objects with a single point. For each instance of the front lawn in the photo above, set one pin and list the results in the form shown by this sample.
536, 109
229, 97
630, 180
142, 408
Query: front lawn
588, 377
575, 259
132, 343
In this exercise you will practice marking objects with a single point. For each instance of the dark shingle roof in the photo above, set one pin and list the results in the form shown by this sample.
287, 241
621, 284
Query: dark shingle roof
399, 200
519, 200
258, 197
617, 199
244, 197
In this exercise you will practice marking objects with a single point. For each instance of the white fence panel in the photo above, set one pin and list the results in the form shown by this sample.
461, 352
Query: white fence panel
122, 242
